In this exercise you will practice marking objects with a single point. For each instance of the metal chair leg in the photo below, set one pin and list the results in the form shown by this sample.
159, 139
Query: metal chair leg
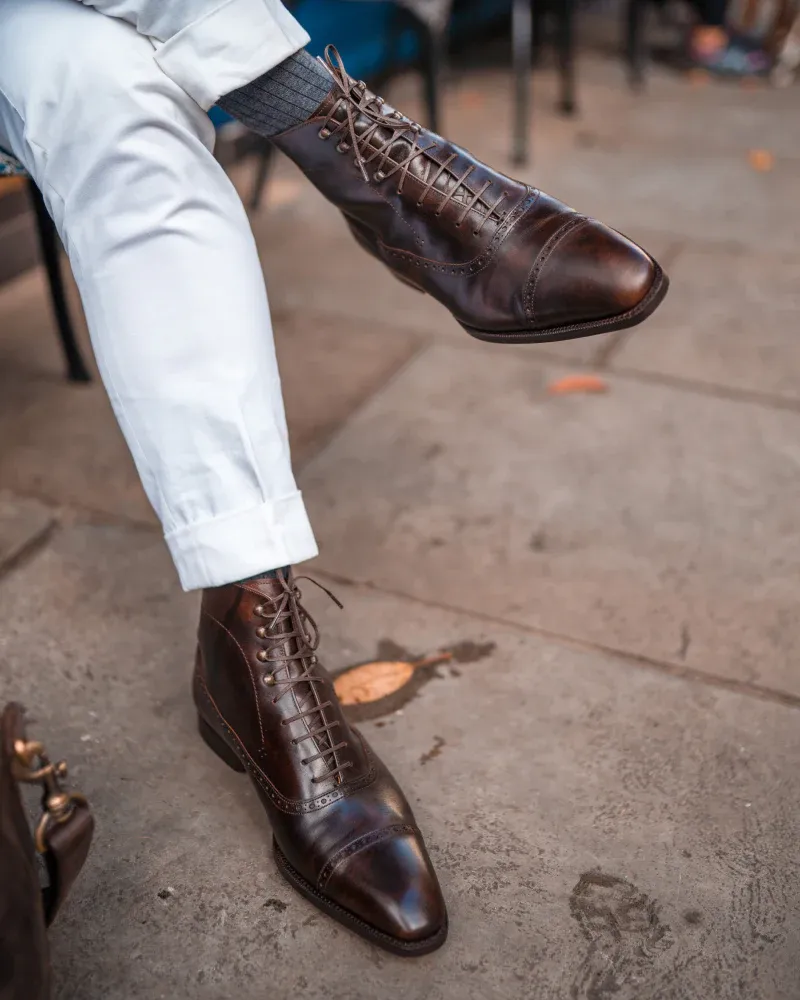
635, 42
77, 370
566, 55
266, 154
521, 41
538, 30
434, 61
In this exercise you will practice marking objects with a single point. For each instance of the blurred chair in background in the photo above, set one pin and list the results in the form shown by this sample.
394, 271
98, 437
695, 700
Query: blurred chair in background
635, 42
430, 19
77, 369
528, 23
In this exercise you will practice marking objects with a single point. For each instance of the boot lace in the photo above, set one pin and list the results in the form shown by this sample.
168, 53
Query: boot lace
289, 621
373, 135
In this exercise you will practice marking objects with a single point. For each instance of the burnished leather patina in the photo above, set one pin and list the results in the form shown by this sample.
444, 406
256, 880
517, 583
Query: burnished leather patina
344, 834
511, 263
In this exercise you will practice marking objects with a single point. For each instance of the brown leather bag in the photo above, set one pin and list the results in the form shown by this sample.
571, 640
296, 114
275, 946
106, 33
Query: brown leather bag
62, 837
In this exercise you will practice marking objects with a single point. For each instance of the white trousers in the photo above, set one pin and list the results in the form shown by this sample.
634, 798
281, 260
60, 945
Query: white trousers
108, 115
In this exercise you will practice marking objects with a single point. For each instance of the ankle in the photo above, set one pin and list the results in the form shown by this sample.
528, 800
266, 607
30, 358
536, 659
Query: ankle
283, 572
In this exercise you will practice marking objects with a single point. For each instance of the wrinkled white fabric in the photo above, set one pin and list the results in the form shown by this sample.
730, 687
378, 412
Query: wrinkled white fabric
211, 47
167, 269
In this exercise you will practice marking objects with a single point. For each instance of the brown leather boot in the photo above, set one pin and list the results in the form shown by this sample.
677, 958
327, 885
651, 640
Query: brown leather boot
512, 264
344, 835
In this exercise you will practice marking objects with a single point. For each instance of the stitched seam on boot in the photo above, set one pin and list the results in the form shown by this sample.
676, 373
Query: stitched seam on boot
478, 263
368, 840
249, 670
396, 210
293, 806
544, 255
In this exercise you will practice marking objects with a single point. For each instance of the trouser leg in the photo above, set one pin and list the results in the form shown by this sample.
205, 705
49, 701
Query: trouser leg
211, 47
170, 280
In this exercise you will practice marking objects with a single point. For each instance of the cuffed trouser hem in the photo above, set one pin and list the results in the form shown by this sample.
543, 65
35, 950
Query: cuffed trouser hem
240, 545
234, 44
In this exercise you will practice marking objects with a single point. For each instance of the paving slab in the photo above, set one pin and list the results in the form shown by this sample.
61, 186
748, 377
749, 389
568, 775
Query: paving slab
61, 443
678, 111
329, 366
23, 523
687, 192
732, 321
648, 519
600, 830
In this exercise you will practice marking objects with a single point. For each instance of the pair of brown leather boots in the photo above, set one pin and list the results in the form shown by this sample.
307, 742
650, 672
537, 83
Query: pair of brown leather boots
513, 265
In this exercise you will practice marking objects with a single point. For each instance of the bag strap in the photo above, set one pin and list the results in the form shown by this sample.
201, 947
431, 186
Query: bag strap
64, 832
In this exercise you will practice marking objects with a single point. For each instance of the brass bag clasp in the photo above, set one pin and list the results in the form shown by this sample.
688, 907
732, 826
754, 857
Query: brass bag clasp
32, 766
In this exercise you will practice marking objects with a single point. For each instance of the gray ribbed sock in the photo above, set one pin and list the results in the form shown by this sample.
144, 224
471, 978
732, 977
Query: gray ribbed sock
282, 97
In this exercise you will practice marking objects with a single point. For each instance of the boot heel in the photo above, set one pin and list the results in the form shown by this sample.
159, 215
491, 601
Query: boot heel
219, 746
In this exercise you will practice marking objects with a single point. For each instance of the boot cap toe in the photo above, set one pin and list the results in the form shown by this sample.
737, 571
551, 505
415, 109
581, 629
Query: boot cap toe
390, 884
593, 273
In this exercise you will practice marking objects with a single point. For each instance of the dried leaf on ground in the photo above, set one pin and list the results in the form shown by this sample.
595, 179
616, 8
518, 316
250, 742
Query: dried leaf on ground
372, 681
761, 160
577, 383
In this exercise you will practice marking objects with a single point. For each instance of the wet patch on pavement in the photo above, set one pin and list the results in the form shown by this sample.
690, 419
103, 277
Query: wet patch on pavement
624, 931
388, 683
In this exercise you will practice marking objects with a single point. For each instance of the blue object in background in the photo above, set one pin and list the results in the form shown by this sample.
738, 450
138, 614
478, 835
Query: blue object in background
363, 33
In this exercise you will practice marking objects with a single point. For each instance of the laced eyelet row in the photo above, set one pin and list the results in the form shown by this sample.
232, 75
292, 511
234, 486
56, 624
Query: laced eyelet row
355, 100
290, 622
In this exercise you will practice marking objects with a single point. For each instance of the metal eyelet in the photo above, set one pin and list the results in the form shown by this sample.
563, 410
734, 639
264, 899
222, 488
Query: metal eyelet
343, 147
262, 632
262, 656
324, 133
269, 680
259, 610
380, 175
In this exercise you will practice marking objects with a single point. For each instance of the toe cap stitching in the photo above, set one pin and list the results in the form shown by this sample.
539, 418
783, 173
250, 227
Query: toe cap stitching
544, 255
359, 844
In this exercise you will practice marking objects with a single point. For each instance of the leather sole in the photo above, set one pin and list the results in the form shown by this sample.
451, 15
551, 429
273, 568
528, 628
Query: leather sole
622, 321
408, 949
